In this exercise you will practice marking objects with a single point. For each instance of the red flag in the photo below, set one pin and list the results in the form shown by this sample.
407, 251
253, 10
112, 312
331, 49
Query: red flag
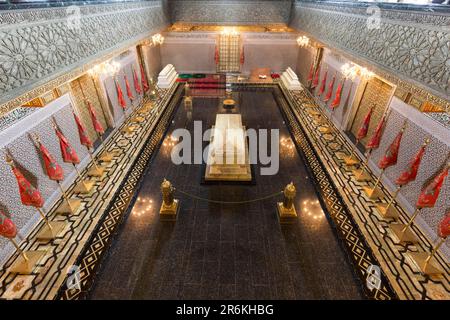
330, 89
127, 86
411, 173
7, 227
97, 125
324, 82
391, 154
337, 97
29, 195
311, 72
137, 86
242, 59
84, 139
430, 194
120, 98
216, 55
444, 226
52, 168
68, 153
374, 141
143, 78
362, 132
315, 82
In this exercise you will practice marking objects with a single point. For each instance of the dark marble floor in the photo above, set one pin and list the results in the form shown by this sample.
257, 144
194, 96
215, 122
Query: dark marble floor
222, 251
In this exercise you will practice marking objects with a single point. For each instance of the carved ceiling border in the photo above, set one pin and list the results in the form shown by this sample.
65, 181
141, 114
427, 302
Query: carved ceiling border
335, 30
34, 53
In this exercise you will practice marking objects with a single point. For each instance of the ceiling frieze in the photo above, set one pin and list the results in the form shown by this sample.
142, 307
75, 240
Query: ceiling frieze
43, 46
419, 54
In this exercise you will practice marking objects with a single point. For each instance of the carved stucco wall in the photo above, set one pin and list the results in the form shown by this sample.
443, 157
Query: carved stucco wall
231, 11
412, 45
37, 45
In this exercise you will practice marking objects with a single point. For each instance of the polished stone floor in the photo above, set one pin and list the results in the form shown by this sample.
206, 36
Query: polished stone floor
223, 251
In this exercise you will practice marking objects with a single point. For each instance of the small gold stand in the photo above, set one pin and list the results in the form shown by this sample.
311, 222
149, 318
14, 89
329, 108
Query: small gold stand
313, 112
51, 229
425, 263
361, 175
286, 209
138, 119
96, 170
403, 232
387, 210
324, 129
69, 205
106, 156
350, 161
329, 137
146, 108
170, 206
374, 193
27, 261
129, 129
84, 186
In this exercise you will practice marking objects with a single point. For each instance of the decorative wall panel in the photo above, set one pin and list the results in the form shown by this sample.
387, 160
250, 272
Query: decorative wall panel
243, 12
28, 158
41, 44
412, 45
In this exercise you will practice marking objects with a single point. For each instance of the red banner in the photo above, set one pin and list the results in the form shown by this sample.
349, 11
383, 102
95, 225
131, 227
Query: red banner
7, 227
410, 174
444, 226
242, 58
143, 78
330, 89
362, 132
120, 98
84, 139
315, 82
29, 195
374, 141
68, 153
430, 194
391, 155
323, 84
337, 97
52, 168
97, 125
137, 86
127, 86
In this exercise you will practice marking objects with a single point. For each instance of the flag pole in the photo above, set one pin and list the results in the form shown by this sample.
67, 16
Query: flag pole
20, 250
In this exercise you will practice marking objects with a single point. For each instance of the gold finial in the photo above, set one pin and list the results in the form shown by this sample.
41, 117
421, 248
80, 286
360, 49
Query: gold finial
9, 160
427, 140
35, 137
405, 124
